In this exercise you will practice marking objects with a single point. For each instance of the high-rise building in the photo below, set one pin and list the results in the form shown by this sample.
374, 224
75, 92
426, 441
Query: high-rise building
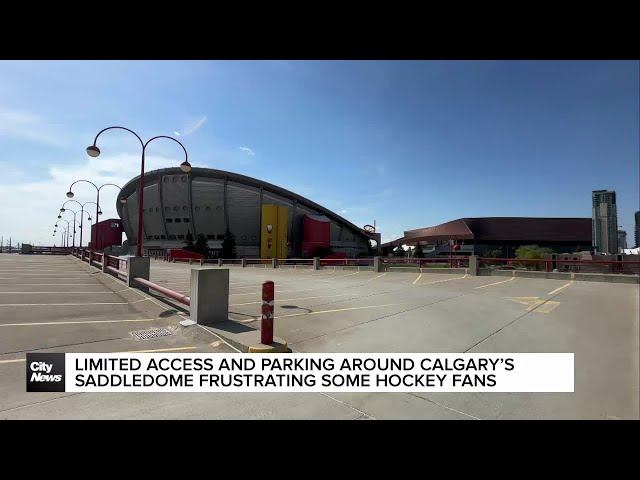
637, 229
622, 240
605, 221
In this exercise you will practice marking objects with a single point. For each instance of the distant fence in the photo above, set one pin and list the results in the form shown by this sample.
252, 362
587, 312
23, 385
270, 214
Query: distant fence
572, 266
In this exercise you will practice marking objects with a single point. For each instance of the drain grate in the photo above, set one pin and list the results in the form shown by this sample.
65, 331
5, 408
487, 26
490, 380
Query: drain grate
150, 334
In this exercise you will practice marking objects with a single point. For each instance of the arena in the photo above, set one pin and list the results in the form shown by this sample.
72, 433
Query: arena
266, 220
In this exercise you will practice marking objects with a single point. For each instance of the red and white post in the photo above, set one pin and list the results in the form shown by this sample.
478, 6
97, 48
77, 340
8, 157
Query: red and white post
266, 327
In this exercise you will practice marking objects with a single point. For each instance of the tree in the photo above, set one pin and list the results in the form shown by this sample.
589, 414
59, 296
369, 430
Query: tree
188, 242
531, 252
417, 252
497, 253
201, 246
229, 245
398, 252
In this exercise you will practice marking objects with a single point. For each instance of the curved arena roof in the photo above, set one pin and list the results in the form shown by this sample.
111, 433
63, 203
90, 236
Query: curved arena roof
207, 201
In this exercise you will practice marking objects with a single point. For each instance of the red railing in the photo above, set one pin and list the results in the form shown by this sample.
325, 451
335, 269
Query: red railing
51, 250
347, 262
293, 262
177, 296
550, 265
116, 265
429, 262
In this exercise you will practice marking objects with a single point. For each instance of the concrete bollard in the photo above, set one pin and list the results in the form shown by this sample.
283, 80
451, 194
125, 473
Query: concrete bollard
219, 262
138, 267
105, 263
209, 295
377, 264
473, 265
191, 261
274, 263
243, 262
316, 263
201, 261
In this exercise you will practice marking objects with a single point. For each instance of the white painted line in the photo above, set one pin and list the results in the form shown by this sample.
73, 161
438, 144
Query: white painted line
62, 292
347, 275
61, 284
58, 304
176, 349
294, 299
377, 277
75, 322
497, 283
325, 311
560, 288
416, 280
445, 280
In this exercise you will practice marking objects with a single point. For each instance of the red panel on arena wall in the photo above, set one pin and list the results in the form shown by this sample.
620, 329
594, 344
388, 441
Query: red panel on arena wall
316, 234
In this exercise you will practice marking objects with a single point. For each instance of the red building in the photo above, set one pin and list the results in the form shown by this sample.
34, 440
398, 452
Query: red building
107, 233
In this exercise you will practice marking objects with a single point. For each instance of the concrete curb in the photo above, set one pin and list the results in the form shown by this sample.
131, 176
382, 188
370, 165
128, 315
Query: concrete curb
580, 277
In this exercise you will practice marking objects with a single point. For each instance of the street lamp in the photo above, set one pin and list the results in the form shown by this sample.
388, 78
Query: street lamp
93, 151
82, 211
63, 210
70, 194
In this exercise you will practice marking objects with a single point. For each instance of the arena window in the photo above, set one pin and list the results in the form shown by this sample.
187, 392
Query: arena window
169, 220
211, 237
181, 237
178, 220
220, 237
172, 237
186, 220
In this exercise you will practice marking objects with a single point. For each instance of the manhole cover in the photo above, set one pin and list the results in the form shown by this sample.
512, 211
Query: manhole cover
150, 334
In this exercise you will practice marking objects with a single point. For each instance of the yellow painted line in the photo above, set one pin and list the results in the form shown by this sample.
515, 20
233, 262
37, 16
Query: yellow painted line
416, 280
496, 283
293, 299
377, 277
176, 349
547, 307
326, 311
560, 288
58, 304
75, 322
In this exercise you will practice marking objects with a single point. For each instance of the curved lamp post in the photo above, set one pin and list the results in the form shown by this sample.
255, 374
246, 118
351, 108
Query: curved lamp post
63, 210
94, 151
82, 211
63, 233
70, 194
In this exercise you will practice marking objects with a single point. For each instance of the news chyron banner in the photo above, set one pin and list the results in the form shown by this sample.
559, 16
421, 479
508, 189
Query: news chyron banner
300, 372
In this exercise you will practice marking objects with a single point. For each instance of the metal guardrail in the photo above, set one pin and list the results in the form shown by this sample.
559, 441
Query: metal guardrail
177, 296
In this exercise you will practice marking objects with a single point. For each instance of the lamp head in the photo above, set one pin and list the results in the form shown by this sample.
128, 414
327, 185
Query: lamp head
70, 194
93, 151
185, 167
123, 200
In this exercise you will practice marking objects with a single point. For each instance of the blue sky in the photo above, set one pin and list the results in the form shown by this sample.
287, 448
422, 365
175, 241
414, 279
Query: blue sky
408, 144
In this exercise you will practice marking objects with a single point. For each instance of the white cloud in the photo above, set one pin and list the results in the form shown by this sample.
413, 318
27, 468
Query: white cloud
343, 211
248, 151
192, 127
23, 125
38, 203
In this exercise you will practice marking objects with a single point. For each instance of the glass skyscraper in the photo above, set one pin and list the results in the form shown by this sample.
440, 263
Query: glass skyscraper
604, 221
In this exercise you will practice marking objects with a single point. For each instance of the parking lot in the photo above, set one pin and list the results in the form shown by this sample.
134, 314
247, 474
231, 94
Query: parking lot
326, 311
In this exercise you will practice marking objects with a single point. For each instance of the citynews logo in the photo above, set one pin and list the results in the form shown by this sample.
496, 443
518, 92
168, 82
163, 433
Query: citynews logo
45, 372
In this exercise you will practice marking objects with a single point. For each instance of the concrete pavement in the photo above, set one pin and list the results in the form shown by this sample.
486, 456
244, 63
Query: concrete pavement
327, 311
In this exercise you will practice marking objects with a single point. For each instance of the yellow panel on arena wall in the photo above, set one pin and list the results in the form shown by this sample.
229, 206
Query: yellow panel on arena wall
283, 213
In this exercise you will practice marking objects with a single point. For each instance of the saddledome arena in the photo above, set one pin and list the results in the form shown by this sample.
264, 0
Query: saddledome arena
267, 220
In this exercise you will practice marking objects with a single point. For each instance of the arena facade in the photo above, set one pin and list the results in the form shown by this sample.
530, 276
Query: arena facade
267, 221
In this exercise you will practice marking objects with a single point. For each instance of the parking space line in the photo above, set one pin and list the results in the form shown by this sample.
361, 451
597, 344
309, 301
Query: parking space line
496, 283
76, 322
347, 275
416, 280
292, 299
382, 275
445, 280
59, 304
62, 292
175, 349
325, 311
559, 289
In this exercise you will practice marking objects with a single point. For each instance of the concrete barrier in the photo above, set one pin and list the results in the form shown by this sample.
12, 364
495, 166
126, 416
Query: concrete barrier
138, 267
209, 295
